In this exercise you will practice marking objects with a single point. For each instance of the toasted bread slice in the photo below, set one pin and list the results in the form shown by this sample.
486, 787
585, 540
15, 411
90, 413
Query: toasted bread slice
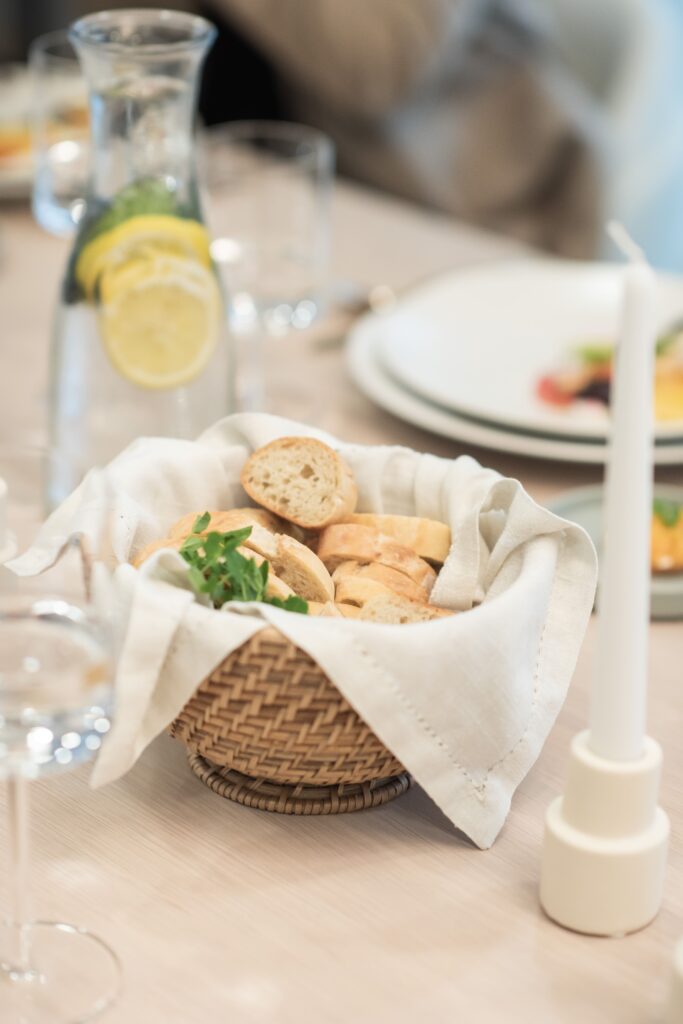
348, 542
225, 521
302, 480
428, 538
391, 579
399, 610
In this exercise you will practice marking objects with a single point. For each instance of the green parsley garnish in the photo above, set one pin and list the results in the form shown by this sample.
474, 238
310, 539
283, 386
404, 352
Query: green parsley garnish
666, 511
222, 572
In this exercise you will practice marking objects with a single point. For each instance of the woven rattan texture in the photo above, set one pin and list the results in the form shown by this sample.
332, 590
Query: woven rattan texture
270, 712
301, 799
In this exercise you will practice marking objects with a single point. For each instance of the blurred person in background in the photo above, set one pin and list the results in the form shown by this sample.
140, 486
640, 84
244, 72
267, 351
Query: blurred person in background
503, 113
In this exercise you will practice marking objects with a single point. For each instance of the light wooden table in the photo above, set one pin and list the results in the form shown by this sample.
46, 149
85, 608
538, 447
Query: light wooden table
222, 914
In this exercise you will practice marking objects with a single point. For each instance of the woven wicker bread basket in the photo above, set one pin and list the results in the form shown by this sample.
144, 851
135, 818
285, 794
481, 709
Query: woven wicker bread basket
269, 729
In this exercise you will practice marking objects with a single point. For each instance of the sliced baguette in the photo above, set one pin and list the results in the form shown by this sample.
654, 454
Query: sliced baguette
391, 579
275, 587
156, 545
298, 566
349, 611
326, 609
225, 521
358, 591
399, 610
294, 563
348, 542
428, 538
302, 480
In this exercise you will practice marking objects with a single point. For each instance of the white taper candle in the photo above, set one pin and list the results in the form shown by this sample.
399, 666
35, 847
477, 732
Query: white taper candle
619, 693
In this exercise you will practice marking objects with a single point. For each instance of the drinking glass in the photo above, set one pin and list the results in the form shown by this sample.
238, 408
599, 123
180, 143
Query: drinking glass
268, 197
59, 121
56, 670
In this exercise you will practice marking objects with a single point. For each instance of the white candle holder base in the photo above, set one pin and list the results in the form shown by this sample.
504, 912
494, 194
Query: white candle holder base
674, 1010
605, 844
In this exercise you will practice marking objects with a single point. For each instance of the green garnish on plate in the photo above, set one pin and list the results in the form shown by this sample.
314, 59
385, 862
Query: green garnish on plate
222, 572
595, 353
668, 512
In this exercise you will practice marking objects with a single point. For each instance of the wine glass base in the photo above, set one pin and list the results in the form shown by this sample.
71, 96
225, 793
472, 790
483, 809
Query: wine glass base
73, 976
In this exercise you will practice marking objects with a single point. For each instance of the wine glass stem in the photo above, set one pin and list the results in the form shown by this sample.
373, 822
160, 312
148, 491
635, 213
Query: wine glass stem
19, 840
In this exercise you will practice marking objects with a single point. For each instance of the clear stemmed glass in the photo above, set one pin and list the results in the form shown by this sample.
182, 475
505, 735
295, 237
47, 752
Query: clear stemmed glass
59, 125
268, 197
56, 671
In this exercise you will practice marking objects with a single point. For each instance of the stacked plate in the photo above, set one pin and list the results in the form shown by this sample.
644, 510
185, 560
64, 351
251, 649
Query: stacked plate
463, 356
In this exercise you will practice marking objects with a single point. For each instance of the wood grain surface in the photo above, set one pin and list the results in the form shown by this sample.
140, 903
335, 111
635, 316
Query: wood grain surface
224, 914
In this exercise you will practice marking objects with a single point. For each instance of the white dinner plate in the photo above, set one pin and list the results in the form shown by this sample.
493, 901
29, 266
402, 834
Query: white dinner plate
368, 373
477, 341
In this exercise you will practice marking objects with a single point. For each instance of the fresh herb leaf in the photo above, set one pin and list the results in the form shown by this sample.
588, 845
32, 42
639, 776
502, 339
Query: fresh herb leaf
291, 604
668, 512
201, 522
218, 569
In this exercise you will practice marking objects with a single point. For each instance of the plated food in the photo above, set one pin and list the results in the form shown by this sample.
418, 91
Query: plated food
305, 548
666, 544
586, 376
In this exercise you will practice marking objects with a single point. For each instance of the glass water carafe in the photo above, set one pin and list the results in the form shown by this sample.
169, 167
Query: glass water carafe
140, 345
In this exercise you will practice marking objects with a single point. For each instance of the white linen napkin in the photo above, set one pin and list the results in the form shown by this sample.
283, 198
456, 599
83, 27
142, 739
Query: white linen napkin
465, 702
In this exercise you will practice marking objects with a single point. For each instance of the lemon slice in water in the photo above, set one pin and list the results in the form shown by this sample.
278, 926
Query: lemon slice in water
162, 232
160, 319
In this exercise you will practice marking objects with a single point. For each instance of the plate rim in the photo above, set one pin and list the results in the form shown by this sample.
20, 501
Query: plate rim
368, 375
592, 434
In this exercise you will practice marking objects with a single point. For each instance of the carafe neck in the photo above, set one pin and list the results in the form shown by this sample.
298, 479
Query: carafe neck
142, 128
142, 68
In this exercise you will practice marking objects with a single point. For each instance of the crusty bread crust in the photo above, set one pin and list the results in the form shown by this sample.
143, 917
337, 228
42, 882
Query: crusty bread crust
348, 542
275, 587
156, 545
399, 610
358, 591
302, 570
286, 477
428, 538
348, 573
225, 521
325, 609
